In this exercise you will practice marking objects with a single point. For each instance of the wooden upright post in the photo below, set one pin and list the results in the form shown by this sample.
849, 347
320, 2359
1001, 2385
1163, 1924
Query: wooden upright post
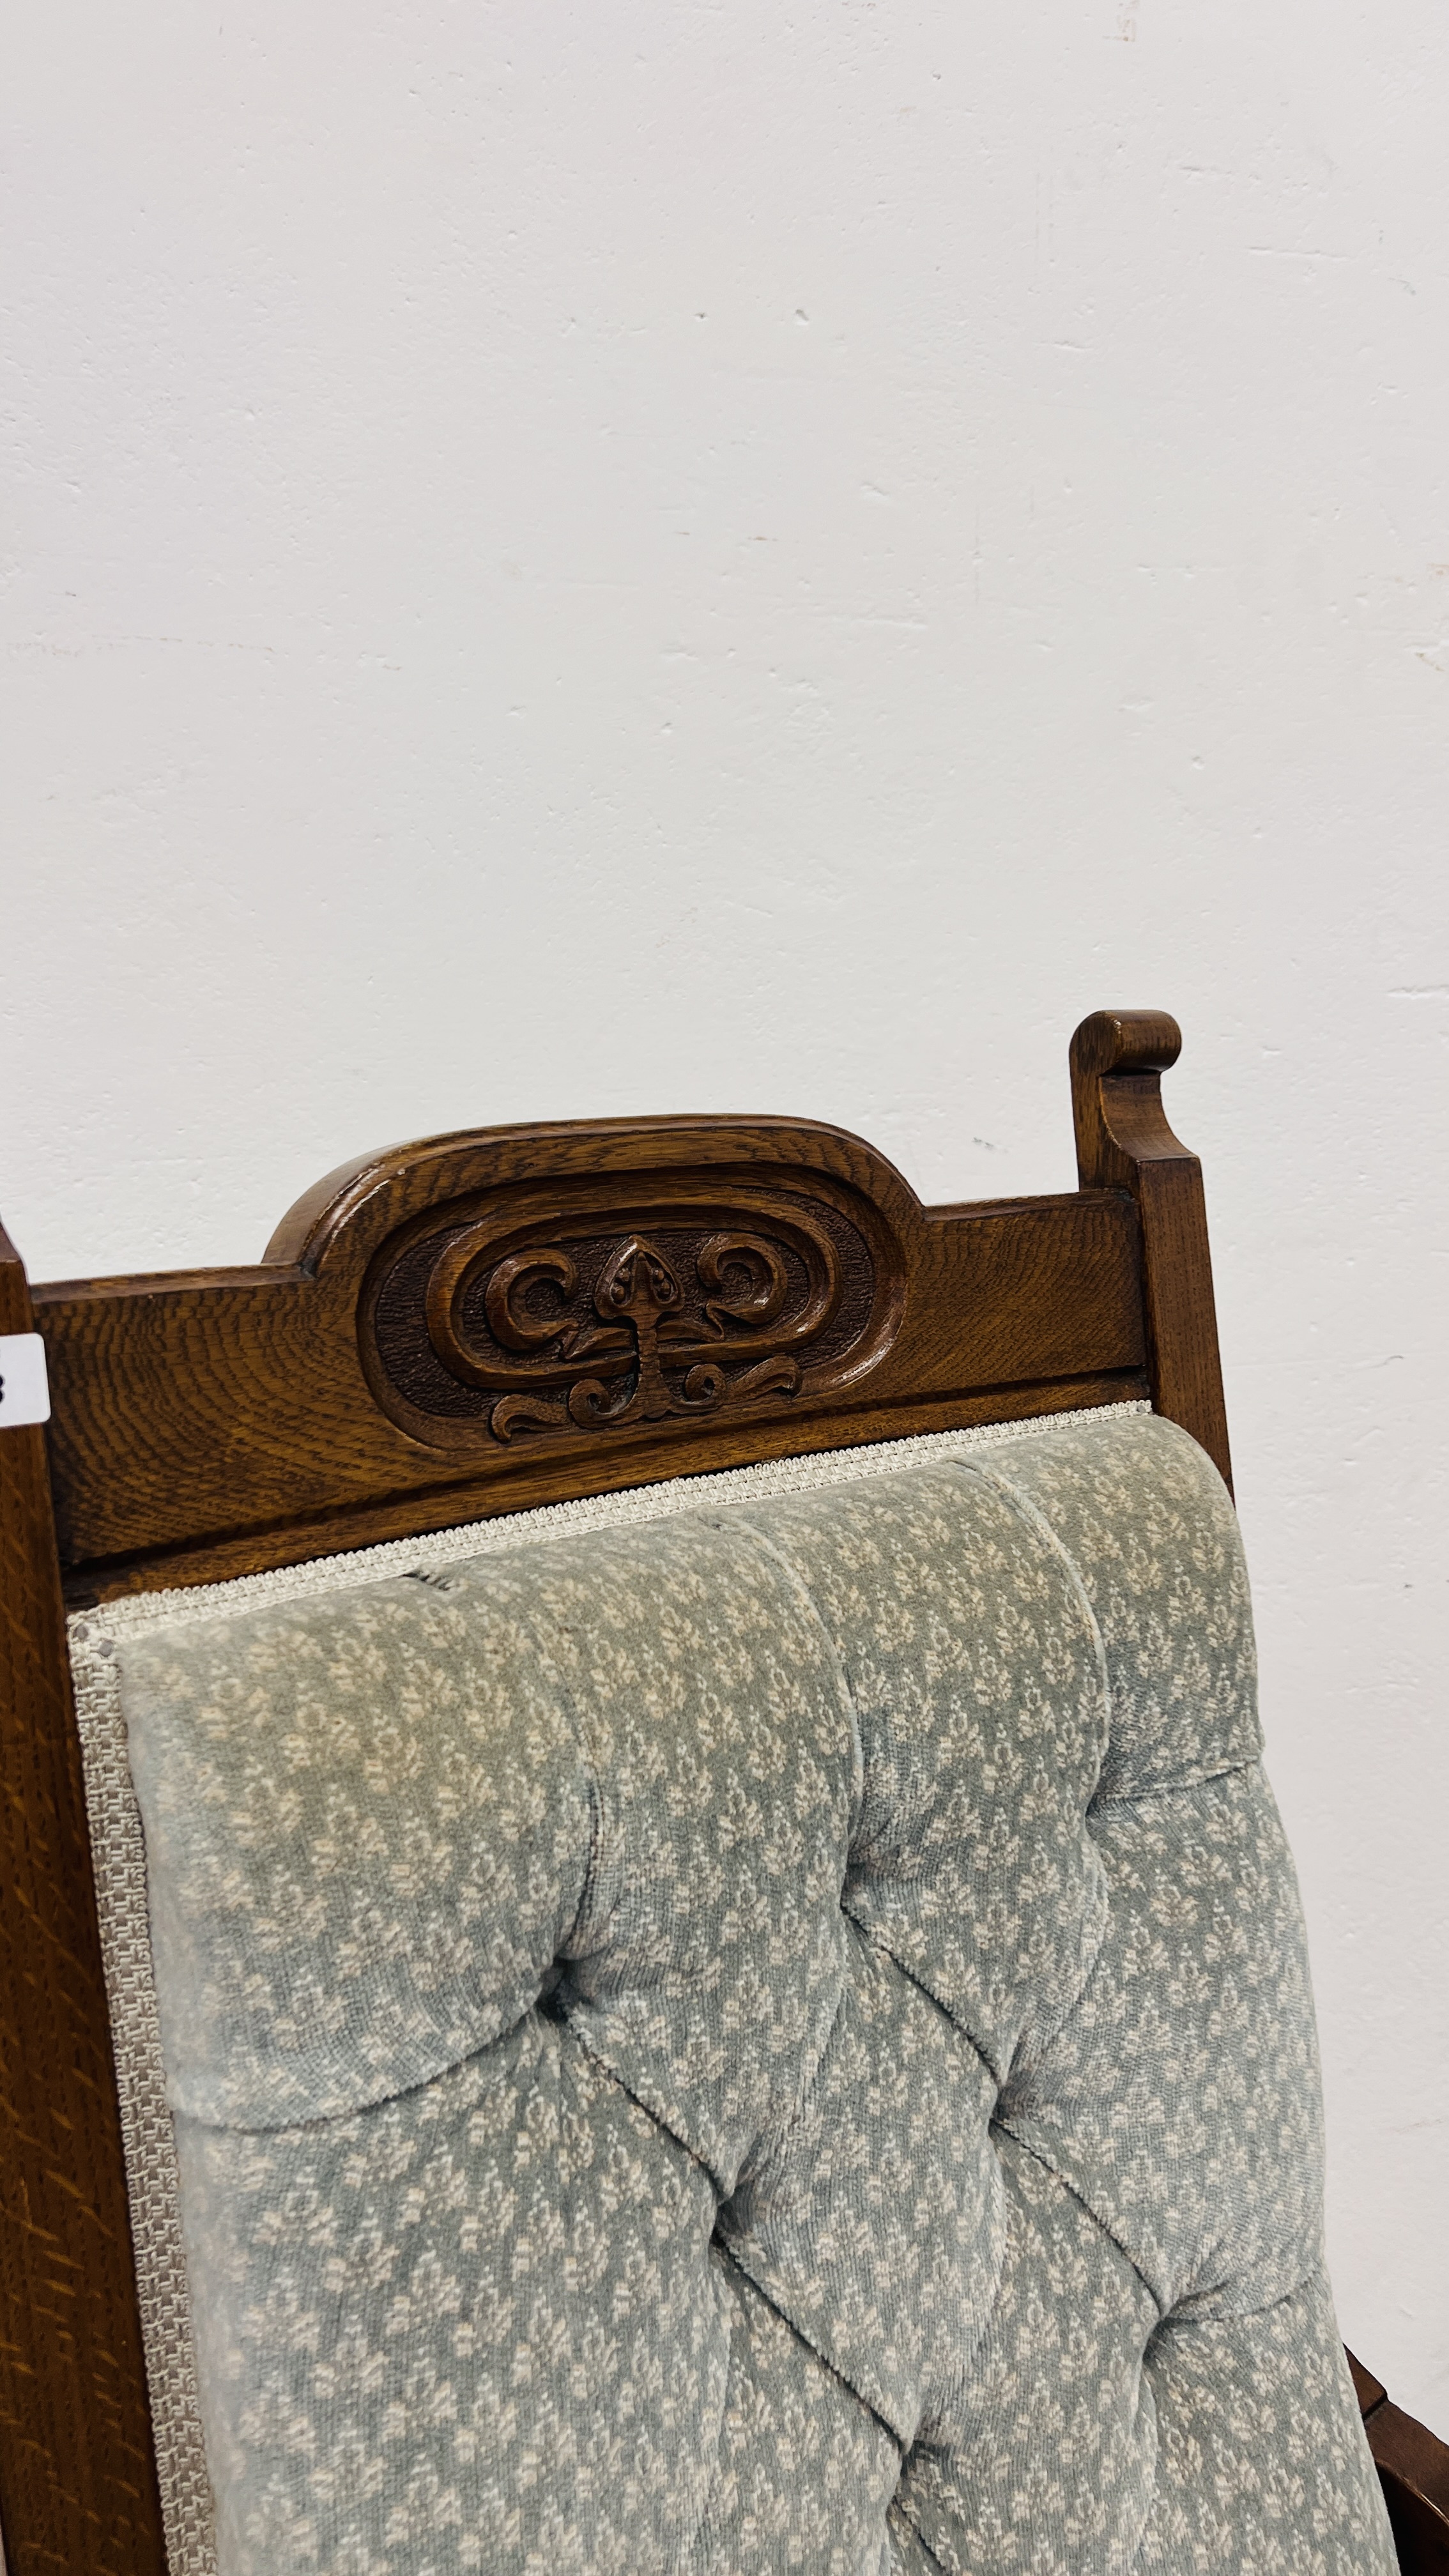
77, 2481
1124, 1142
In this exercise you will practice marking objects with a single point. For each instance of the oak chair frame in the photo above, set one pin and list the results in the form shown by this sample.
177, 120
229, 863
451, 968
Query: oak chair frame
213, 1423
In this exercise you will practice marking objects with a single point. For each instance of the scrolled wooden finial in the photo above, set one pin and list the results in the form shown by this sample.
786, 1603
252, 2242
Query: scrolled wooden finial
1117, 1061
1124, 1142
1126, 1042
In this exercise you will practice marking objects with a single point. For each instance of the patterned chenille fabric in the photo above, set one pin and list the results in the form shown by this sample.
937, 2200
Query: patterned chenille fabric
770, 2037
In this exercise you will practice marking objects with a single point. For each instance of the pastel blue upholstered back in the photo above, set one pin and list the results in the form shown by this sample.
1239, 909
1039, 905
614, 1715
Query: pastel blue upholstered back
774, 2037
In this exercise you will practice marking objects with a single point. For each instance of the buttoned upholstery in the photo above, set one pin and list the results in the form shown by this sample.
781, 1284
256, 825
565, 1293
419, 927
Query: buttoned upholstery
773, 2036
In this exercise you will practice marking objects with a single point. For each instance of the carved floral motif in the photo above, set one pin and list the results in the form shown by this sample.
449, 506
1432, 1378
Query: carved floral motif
540, 1313
648, 1342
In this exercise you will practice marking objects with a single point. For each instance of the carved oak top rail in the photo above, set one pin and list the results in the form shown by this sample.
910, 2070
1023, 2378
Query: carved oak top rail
495, 1319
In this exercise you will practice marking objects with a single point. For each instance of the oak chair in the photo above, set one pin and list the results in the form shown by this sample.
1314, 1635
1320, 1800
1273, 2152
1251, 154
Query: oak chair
448, 1331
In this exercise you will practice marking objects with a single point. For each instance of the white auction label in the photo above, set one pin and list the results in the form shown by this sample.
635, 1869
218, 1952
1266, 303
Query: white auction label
24, 1392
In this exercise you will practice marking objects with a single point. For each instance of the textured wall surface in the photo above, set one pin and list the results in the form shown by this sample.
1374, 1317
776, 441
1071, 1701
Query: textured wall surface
594, 559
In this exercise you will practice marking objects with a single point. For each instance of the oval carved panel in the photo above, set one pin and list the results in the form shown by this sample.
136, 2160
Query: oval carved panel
542, 1316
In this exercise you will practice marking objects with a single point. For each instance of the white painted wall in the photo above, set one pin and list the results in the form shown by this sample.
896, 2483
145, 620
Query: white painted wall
570, 558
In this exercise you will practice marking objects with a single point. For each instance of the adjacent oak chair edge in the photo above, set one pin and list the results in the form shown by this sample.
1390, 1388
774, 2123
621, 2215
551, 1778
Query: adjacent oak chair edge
1413, 2467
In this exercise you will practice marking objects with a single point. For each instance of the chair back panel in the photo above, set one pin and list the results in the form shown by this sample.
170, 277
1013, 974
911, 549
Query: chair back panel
443, 1333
